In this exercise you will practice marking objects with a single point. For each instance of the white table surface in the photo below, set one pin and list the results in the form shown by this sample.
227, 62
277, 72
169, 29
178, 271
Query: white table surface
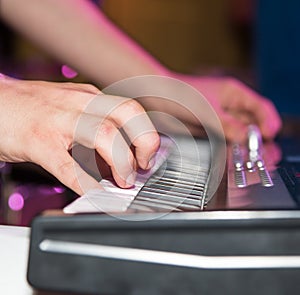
14, 245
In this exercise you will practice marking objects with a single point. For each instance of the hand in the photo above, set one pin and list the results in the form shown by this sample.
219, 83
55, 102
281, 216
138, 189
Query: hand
41, 121
237, 106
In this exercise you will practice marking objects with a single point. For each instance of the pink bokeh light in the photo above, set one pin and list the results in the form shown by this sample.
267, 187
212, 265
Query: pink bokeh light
59, 189
68, 72
16, 201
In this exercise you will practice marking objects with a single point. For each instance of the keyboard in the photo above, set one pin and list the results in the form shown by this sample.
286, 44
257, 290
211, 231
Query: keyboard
148, 251
177, 182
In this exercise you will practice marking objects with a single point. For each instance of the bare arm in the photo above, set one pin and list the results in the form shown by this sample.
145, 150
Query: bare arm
76, 32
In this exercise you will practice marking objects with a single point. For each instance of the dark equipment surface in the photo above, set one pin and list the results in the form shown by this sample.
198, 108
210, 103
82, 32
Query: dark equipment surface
91, 254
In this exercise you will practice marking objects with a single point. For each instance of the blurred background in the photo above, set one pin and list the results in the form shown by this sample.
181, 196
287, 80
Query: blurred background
192, 36
256, 41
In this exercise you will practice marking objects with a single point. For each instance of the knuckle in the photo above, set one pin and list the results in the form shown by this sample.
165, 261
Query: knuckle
65, 168
106, 128
92, 89
133, 107
82, 87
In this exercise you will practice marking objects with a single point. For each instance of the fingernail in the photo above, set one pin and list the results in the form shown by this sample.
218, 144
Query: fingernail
131, 179
151, 163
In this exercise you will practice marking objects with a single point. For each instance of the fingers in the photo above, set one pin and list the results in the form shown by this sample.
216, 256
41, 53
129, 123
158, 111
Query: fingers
59, 163
101, 134
99, 126
249, 107
263, 113
48, 118
139, 129
269, 120
234, 129
131, 117
235, 124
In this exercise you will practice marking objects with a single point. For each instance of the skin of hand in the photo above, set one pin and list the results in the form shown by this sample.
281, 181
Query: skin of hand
41, 121
237, 106
106, 55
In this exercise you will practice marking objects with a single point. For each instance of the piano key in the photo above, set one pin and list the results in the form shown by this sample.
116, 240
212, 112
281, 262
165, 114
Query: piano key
178, 184
175, 182
186, 169
179, 165
184, 190
151, 200
155, 206
182, 176
174, 191
169, 198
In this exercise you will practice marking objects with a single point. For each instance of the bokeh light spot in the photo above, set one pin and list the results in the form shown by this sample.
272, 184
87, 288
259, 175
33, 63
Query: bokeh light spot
68, 72
16, 202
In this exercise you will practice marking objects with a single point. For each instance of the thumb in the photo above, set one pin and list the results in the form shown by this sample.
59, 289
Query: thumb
61, 165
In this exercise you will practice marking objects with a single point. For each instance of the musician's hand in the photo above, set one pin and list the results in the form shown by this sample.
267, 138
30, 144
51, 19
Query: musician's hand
41, 121
237, 106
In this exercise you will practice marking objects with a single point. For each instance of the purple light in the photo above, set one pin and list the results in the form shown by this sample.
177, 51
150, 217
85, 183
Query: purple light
68, 72
16, 202
58, 189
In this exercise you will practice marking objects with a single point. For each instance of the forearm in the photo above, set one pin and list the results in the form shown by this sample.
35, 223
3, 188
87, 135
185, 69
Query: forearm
77, 32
